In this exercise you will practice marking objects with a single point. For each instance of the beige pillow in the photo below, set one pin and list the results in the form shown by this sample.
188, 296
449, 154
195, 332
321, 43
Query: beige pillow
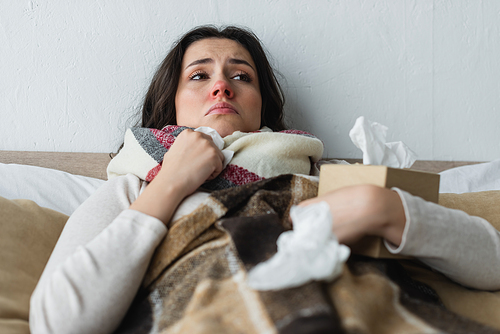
481, 306
484, 204
28, 233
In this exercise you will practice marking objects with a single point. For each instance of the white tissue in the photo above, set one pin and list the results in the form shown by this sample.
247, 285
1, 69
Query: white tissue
370, 138
218, 141
309, 252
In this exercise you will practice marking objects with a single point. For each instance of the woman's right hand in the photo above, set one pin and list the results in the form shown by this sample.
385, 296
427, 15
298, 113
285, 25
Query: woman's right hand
191, 160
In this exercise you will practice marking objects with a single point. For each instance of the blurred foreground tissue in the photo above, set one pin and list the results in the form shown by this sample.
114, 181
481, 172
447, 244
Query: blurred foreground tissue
370, 138
309, 252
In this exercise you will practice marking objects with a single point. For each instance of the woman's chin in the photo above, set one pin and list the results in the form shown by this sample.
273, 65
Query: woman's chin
225, 129
226, 124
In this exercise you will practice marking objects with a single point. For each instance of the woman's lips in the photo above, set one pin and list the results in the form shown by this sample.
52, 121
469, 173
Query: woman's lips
221, 109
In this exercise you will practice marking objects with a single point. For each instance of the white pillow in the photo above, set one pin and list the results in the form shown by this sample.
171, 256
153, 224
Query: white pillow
49, 188
471, 178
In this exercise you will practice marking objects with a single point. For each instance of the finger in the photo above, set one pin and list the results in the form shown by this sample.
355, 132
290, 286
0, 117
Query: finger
222, 158
219, 165
204, 136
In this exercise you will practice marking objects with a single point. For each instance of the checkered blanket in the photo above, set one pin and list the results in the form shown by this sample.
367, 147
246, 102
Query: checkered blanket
257, 155
196, 281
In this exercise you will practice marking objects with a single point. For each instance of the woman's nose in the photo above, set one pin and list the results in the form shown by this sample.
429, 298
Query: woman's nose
222, 88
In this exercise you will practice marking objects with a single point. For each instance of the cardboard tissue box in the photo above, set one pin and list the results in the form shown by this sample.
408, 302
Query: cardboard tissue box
422, 184
370, 138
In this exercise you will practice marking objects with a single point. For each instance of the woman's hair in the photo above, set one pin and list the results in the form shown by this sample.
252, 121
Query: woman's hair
158, 109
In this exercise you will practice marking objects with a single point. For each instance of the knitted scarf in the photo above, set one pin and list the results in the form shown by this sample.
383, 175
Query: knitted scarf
257, 155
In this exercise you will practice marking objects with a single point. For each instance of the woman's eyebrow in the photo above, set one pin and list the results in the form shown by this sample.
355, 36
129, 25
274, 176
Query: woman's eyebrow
201, 61
236, 61
240, 62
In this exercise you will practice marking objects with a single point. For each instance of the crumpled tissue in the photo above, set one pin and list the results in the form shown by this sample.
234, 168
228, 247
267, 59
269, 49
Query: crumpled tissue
370, 138
308, 252
218, 141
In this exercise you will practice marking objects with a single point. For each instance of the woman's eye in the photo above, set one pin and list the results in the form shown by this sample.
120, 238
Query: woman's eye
243, 77
198, 76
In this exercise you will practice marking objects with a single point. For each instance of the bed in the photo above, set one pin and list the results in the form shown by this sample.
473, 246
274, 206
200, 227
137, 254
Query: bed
405, 295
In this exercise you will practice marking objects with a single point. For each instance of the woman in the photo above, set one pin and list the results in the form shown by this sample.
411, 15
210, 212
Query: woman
220, 79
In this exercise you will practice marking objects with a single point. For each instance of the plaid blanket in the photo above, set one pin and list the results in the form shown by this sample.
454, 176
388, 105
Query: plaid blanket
257, 155
196, 282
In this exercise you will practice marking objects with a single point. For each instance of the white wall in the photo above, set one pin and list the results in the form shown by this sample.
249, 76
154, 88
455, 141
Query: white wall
71, 75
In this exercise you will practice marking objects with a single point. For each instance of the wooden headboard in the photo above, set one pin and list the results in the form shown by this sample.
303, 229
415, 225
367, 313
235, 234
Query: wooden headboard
86, 164
94, 164
431, 166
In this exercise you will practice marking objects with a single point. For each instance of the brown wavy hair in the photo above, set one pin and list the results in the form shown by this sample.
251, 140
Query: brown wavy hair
158, 109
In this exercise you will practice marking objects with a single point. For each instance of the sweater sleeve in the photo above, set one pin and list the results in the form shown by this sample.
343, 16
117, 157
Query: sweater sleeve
464, 248
98, 263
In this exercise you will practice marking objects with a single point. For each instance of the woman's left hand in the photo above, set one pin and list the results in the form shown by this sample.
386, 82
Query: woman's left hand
364, 210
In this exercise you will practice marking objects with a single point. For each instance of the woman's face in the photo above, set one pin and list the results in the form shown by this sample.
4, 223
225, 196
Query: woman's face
218, 87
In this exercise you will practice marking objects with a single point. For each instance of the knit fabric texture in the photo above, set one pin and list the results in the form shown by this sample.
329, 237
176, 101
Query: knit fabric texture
257, 155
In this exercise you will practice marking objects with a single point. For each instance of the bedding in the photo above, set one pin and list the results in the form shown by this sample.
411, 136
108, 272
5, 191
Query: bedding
50, 188
403, 301
471, 178
28, 233
196, 279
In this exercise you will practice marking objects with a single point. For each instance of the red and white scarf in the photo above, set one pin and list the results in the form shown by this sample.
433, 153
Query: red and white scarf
257, 155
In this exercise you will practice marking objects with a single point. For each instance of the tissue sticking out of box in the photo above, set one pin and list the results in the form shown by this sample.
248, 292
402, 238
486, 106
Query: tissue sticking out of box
369, 137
